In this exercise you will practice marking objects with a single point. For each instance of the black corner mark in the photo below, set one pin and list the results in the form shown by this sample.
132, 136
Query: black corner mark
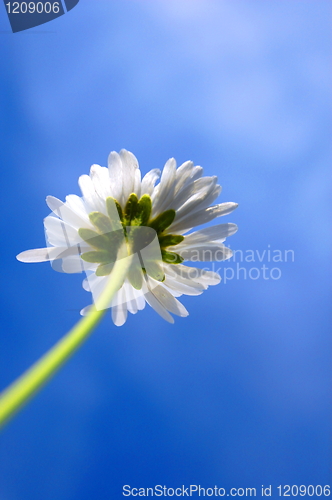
26, 15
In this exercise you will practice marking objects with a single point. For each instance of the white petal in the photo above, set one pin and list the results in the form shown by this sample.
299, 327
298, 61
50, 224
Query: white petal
92, 280
119, 309
168, 301
163, 194
206, 202
225, 208
193, 194
218, 233
196, 173
73, 265
137, 183
53, 203
91, 198
180, 287
116, 177
156, 305
201, 199
172, 289
131, 299
179, 278
200, 187
140, 298
140, 302
66, 213
149, 181
183, 175
200, 217
135, 298
129, 161
59, 233
70, 217
46, 254
196, 274
96, 285
77, 205
36, 255
85, 311
186, 174
129, 166
101, 181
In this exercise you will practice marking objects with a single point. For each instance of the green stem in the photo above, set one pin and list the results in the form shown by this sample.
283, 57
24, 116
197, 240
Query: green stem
22, 389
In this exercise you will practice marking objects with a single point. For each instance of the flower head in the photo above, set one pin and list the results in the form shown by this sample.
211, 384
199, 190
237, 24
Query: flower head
121, 215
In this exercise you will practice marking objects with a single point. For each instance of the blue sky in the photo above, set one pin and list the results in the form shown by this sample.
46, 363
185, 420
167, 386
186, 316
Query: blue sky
238, 393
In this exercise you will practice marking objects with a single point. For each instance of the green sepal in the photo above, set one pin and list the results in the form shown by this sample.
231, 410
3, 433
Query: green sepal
101, 222
170, 240
97, 257
131, 208
163, 221
110, 202
94, 239
104, 269
154, 270
115, 238
139, 238
171, 257
143, 210
135, 276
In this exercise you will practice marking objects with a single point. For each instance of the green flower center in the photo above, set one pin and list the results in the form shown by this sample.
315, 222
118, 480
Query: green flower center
134, 226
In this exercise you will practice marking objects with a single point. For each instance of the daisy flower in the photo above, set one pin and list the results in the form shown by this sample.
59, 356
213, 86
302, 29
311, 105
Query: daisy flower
131, 236
149, 218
